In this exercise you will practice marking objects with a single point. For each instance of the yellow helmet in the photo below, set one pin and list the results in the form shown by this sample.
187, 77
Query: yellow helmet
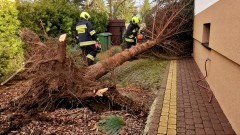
85, 15
135, 19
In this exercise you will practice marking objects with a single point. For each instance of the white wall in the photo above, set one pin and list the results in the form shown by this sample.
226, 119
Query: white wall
201, 5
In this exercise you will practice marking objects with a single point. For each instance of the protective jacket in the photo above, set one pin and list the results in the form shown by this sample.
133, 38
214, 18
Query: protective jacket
131, 32
86, 34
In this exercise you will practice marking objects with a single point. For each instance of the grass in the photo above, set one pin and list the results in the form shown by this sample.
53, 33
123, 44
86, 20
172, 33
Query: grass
112, 50
111, 125
143, 72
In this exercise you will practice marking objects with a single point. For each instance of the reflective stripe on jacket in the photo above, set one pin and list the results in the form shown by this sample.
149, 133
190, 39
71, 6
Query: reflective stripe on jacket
86, 43
90, 57
86, 33
129, 40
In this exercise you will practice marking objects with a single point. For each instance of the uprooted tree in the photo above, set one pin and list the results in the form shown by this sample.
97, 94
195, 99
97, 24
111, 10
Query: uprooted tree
55, 79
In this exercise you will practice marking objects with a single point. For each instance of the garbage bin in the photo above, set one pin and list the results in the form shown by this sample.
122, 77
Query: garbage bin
105, 40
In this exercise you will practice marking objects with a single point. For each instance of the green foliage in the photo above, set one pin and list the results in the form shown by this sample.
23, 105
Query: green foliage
99, 5
145, 8
11, 53
99, 20
111, 125
57, 17
124, 9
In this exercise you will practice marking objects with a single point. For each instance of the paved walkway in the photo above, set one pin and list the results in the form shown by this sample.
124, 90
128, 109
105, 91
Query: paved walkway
182, 106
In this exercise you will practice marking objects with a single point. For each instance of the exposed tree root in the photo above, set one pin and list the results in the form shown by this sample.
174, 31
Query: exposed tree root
56, 82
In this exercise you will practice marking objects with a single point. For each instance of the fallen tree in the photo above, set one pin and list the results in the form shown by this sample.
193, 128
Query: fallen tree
56, 80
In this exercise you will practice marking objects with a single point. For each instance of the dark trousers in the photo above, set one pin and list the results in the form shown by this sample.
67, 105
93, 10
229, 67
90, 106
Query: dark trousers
87, 51
127, 45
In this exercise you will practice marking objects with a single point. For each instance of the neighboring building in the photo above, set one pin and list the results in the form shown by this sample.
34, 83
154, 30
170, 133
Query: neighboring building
217, 37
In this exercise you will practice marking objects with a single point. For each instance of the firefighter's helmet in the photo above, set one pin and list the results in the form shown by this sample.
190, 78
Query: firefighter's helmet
135, 20
85, 15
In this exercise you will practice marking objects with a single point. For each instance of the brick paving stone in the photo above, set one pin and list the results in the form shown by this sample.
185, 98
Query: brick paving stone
181, 130
190, 127
187, 110
197, 120
215, 121
188, 115
212, 116
172, 121
203, 113
171, 131
156, 116
181, 133
196, 114
199, 125
209, 131
189, 121
153, 127
163, 123
154, 121
181, 124
217, 127
228, 130
200, 131
220, 133
190, 132
180, 118
225, 124
207, 124
162, 130
152, 132
206, 118
200, 116
179, 114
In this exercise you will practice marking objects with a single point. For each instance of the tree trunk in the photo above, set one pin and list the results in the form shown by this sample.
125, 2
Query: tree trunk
103, 67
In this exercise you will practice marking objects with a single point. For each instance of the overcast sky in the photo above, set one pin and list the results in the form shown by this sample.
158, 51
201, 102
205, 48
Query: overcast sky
140, 2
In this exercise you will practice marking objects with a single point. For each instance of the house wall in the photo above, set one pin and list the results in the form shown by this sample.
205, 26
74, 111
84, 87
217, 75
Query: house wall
224, 67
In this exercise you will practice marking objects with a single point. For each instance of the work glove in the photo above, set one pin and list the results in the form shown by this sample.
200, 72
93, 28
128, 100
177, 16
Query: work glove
98, 47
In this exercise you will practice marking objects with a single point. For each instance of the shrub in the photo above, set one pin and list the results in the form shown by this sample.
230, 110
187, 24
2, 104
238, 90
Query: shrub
57, 17
11, 52
111, 125
99, 19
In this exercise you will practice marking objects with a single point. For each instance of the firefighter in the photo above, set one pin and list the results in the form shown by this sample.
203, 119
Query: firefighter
131, 33
87, 38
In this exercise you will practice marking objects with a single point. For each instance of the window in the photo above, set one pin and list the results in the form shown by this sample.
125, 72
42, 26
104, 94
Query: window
206, 34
